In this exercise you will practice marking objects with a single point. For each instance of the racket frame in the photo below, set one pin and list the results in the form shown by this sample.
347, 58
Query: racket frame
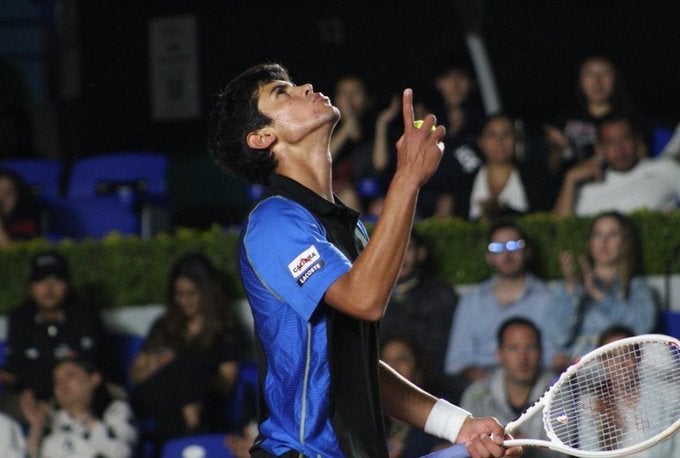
545, 400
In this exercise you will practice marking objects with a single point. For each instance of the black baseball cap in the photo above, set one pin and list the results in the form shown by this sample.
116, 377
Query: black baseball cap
49, 264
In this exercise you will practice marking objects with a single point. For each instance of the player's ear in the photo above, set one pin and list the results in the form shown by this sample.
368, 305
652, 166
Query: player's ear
261, 138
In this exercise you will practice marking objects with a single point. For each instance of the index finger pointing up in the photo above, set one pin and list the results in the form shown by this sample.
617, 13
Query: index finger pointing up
407, 108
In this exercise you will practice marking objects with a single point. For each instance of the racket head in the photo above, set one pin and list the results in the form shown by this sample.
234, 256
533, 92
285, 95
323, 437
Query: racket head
618, 399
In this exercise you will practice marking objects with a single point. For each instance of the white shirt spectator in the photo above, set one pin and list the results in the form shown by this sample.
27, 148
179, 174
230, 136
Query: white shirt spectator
653, 184
113, 436
12, 441
513, 194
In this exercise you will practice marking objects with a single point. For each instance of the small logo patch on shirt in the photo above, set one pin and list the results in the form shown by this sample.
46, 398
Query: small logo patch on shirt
309, 272
302, 261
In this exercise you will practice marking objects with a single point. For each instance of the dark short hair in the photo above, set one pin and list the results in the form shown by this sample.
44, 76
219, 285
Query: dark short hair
234, 116
615, 330
614, 118
517, 321
460, 66
496, 116
101, 396
505, 223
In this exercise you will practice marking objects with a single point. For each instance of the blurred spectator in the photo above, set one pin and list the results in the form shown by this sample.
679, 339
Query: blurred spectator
12, 440
87, 421
361, 145
421, 308
239, 443
371, 184
516, 384
503, 185
609, 290
459, 110
189, 362
447, 193
511, 291
403, 441
50, 325
616, 178
600, 92
670, 446
18, 213
352, 140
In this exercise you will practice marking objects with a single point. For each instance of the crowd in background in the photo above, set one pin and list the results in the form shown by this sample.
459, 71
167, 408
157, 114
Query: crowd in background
494, 348
590, 157
596, 153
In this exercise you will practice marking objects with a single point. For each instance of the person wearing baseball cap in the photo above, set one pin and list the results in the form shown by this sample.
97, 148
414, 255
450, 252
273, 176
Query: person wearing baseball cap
50, 325
49, 264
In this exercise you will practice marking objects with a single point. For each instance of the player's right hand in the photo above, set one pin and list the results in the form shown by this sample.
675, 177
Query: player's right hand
483, 438
418, 150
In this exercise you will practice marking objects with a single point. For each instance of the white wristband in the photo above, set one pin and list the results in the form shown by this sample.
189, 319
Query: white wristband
445, 420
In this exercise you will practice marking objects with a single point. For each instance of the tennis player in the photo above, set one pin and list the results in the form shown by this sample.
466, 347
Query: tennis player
316, 285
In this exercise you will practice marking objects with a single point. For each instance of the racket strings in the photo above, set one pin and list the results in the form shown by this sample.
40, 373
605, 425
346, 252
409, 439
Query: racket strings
619, 398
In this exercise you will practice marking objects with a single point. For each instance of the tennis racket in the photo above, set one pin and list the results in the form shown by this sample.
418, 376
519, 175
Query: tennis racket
619, 399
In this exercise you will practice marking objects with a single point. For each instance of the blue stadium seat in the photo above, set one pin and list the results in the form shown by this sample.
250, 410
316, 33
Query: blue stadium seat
42, 176
3, 356
126, 347
207, 445
122, 173
243, 401
660, 138
117, 191
671, 323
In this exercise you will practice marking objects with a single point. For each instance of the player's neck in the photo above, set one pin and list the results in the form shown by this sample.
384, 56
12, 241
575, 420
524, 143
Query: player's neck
312, 169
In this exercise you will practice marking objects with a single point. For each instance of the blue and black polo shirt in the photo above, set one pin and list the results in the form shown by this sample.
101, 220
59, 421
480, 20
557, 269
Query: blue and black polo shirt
319, 366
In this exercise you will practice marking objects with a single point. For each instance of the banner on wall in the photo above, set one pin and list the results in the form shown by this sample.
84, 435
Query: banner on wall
173, 72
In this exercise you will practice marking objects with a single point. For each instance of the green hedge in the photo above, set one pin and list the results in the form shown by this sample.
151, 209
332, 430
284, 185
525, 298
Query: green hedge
119, 271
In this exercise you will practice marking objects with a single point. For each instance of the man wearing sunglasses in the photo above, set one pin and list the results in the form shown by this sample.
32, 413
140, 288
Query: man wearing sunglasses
510, 292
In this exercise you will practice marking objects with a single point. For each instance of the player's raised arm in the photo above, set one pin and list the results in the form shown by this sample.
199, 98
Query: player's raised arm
363, 292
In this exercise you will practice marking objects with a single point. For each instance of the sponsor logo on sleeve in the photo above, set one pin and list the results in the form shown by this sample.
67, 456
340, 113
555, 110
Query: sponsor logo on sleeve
305, 265
309, 272
302, 261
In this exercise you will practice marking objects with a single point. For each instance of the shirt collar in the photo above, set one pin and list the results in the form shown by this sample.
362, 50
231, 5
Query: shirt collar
287, 187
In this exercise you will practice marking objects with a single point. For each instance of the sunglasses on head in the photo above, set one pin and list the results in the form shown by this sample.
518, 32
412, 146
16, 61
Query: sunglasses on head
510, 245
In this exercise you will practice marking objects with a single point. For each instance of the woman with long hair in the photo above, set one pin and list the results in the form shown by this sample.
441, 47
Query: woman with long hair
503, 185
599, 92
609, 290
189, 363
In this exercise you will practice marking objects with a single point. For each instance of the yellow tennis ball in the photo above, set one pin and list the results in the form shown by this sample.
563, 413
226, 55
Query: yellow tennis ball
418, 123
